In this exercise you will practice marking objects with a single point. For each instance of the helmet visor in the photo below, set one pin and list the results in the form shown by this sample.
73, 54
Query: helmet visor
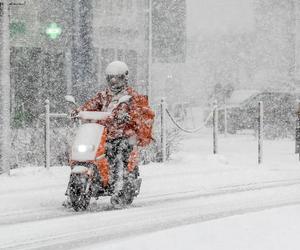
116, 83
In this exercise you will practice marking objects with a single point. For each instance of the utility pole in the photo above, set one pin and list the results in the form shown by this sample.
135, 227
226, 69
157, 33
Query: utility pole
5, 93
297, 40
68, 69
149, 87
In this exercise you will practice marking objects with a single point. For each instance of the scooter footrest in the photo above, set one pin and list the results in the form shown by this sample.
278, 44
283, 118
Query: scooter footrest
138, 186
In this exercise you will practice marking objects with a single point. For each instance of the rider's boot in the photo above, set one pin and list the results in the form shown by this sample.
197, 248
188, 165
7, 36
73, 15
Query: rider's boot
138, 183
116, 198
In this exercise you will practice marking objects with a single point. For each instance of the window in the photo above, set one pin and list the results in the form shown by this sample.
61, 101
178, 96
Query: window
36, 76
129, 5
120, 55
118, 6
108, 6
130, 58
99, 4
1, 9
107, 56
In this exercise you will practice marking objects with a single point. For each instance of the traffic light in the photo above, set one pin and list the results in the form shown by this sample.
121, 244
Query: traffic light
53, 31
17, 27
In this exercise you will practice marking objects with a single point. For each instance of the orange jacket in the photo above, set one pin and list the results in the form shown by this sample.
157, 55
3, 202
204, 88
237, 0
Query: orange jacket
133, 110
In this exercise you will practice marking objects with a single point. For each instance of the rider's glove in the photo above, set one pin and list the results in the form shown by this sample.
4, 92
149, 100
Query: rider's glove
123, 117
74, 114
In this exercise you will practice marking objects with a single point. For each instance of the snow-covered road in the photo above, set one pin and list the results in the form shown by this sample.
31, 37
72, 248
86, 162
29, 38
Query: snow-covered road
192, 188
147, 215
38, 213
271, 229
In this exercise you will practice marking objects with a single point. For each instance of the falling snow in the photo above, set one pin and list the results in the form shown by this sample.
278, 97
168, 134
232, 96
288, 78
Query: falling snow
191, 57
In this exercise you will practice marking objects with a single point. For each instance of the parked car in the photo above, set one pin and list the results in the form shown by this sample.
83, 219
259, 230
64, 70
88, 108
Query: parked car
279, 114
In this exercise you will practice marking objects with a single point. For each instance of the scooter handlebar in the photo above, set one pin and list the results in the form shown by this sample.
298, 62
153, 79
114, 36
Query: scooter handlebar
93, 115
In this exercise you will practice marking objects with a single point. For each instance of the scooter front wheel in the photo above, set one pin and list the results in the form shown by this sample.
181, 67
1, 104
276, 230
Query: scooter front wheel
79, 198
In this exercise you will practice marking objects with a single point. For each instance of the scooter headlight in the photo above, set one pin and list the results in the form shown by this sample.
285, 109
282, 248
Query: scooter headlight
85, 148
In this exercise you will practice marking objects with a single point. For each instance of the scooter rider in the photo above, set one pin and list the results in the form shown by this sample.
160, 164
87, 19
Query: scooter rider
121, 126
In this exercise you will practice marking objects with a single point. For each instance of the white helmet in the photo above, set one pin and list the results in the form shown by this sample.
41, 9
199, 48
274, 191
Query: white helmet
117, 76
116, 68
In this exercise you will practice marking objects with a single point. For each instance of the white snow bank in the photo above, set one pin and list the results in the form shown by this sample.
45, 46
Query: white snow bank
27, 178
275, 229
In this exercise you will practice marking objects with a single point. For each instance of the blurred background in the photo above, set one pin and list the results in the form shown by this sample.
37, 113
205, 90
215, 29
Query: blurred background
192, 52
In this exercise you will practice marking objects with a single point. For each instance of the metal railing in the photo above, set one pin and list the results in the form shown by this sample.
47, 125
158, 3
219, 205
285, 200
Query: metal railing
214, 115
164, 113
163, 129
49, 115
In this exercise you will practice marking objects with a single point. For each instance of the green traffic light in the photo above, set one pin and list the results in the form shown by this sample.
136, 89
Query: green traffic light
53, 31
17, 27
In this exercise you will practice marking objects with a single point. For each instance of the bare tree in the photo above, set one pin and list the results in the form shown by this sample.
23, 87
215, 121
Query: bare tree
5, 91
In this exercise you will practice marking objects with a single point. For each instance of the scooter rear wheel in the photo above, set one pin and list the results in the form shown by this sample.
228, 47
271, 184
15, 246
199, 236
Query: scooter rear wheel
125, 197
128, 193
79, 199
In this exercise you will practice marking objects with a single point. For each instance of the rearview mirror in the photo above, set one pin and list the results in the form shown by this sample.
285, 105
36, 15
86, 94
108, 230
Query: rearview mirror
70, 99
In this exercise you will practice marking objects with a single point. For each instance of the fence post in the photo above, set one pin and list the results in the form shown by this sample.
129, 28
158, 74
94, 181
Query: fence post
215, 128
297, 132
225, 117
260, 132
163, 131
47, 134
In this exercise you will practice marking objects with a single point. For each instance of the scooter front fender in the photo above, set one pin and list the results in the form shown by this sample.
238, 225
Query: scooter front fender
79, 170
82, 170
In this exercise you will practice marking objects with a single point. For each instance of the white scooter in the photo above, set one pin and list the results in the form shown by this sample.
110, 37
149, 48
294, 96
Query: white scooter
91, 174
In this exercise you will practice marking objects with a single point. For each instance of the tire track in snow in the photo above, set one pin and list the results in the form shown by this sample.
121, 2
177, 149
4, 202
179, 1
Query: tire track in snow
140, 220
223, 190
21, 216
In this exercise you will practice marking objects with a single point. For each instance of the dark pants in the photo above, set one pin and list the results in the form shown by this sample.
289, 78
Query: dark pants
118, 151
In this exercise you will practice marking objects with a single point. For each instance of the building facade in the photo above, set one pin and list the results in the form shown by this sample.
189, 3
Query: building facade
120, 32
63, 47
60, 47
275, 45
